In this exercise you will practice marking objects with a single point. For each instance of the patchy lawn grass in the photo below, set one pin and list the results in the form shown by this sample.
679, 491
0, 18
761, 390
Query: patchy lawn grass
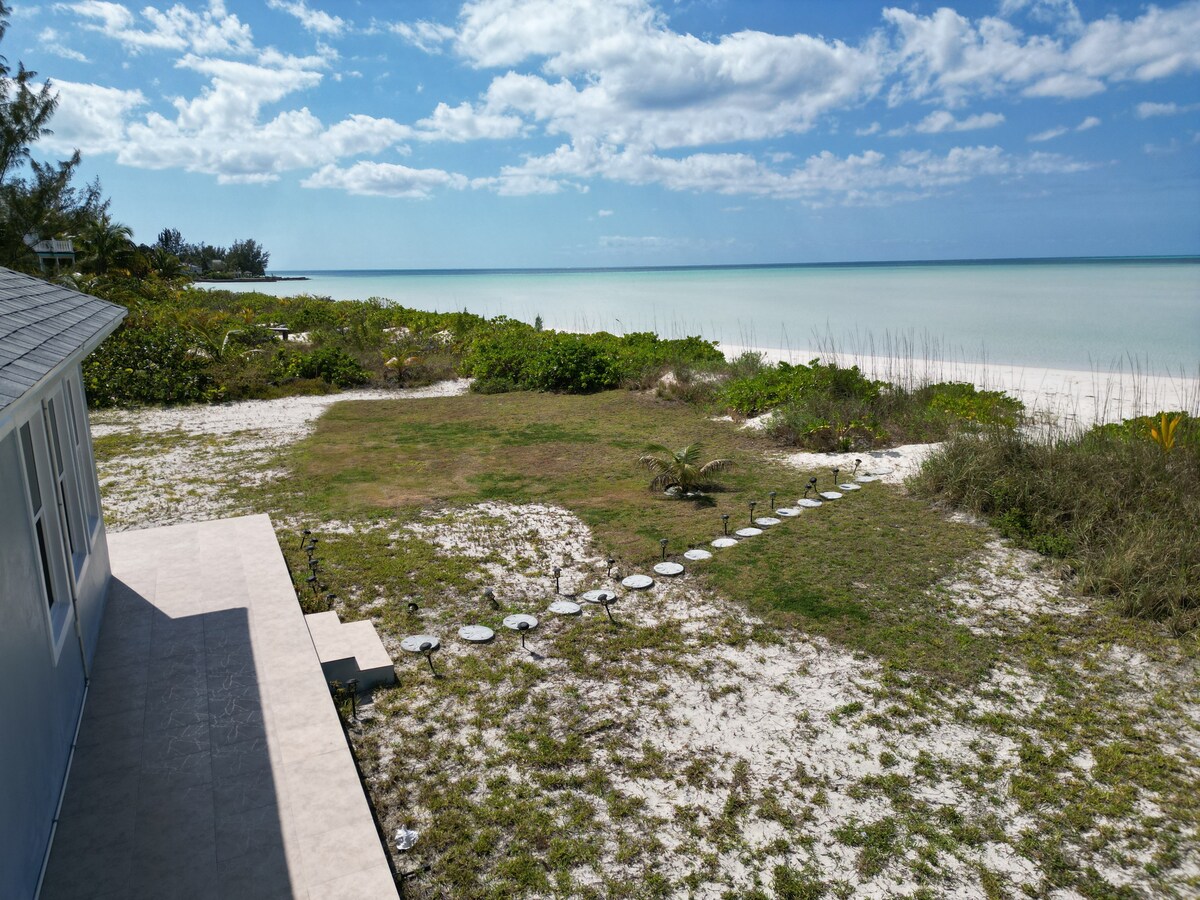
868, 699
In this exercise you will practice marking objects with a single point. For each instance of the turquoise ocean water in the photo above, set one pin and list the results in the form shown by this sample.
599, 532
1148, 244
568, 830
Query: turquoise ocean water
1069, 314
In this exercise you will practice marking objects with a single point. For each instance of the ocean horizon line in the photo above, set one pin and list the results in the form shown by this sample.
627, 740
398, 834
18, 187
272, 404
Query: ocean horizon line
1166, 259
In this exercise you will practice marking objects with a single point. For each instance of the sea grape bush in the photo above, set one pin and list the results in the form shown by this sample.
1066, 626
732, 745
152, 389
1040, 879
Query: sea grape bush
147, 363
516, 356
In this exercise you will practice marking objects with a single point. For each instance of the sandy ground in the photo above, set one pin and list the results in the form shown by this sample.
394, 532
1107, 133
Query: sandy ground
1056, 397
799, 717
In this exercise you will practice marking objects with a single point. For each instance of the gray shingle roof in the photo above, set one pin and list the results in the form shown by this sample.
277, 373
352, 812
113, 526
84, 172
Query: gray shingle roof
42, 325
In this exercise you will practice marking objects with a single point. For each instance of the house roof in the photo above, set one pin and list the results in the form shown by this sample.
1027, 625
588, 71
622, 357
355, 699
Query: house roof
42, 325
53, 248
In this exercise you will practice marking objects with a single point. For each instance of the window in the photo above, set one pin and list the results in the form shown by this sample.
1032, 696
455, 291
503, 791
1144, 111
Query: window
66, 484
51, 541
81, 452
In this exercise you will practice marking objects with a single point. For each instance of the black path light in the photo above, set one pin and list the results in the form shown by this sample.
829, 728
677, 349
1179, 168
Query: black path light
606, 600
835, 471
425, 645
413, 609
725, 523
753, 503
611, 562
662, 542
490, 596
311, 547
857, 463
352, 689
806, 501
557, 575
304, 536
311, 580
772, 496
521, 623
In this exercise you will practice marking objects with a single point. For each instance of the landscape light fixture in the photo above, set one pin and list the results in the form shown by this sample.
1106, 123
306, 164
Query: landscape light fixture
352, 686
490, 596
662, 542
835, 471
312, 583
606, 599
772, 496
427, 649
857, 463
753, 503
557, 575
611, 562
304, 535
725, 523
522, 627
412, 607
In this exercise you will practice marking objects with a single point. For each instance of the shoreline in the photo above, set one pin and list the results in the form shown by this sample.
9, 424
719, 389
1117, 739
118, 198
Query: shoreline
252, 279
1064, 398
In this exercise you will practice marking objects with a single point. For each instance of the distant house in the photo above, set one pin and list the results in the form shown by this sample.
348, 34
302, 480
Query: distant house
52, 255
54, 564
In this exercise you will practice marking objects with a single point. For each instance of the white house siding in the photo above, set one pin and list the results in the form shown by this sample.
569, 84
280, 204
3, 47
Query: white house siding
43, 676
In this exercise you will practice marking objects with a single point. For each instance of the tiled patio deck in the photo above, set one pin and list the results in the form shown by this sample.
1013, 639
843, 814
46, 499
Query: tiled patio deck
211, 762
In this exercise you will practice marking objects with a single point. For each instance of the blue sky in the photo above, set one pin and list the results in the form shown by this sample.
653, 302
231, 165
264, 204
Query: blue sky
514, 133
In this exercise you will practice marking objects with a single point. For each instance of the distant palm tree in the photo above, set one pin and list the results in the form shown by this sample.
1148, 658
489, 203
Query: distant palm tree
681, 469
106, 245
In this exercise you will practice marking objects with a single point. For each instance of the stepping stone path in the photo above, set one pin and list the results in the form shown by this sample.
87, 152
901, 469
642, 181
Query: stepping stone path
697, 555
787, 512
565, 608
722, 542
516, 620
476, 634
767, 521
867, 479
808, 503
637, 582
849, 487
748, 532
668, 568
830, 495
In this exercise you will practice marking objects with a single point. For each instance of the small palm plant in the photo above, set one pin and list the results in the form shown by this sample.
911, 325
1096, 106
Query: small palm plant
681, 469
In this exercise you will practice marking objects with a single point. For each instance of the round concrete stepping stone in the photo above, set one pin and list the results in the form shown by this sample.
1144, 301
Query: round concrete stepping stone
787, 512
748, 532
722, 542
849, 487
419, 643
597, 596
637, 582
668, 568
565, 608
867, 479
476, 634
767, 521
516, 620
830, 495
697, 555
808, 503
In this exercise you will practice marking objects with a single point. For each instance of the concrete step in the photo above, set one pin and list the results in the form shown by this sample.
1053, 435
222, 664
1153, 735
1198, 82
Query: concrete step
350, 650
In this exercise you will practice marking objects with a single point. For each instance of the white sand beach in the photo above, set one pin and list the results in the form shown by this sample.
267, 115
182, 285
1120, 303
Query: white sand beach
1064, 398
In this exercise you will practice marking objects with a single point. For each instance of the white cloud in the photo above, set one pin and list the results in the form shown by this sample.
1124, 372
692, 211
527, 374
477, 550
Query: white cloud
820, 180
614, 71
1048, 135
947, 55
1087, 124
604, 213
873, 128
1150, 110
314, 20
942, 120
90, 117
211, 31
466, 123
51, 42
385, 180
427, 36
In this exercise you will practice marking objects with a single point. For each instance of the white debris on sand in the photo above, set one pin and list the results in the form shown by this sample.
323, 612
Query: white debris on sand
1007, 582
192, 454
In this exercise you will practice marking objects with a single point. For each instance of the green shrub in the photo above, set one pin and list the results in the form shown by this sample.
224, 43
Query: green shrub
142, 363
330, 364
965, 403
